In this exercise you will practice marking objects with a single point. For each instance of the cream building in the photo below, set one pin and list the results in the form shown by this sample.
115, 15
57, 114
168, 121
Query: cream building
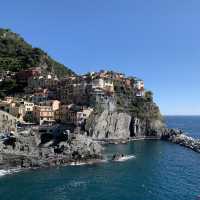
55, 104
46, 111
139, 84
43, 114
103, 83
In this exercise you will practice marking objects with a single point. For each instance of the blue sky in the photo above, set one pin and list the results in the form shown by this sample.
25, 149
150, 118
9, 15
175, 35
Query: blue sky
156, 40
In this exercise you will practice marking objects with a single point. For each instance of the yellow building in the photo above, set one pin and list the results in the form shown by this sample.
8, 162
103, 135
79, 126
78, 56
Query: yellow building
46, 111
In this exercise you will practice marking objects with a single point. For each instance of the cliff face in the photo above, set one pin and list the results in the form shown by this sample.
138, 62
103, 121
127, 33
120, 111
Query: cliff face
121, 125
109, 125
126, 116
146, 127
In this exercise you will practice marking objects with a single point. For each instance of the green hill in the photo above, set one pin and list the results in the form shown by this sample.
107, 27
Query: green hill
16, 54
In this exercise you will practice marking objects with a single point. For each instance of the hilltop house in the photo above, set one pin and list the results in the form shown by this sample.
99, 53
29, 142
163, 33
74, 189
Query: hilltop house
48, 81
105, 84
73, 90
139, 87
23, 75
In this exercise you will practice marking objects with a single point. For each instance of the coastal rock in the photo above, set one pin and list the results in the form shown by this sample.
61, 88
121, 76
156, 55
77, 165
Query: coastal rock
146, 128
121, 126
26, 150
117, 157
7, 122
178, 137
109, 125
84, 147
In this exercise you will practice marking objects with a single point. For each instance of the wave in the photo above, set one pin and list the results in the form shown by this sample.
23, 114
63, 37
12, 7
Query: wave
4, 172
78, 163
125, 158
87, 162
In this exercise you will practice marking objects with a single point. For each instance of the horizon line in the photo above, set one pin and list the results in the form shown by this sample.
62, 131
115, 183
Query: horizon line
183, 115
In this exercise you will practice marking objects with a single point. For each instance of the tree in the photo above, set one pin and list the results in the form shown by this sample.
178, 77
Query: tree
149, 96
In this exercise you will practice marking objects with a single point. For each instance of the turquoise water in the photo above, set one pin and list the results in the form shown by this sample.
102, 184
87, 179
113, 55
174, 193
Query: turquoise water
160, 171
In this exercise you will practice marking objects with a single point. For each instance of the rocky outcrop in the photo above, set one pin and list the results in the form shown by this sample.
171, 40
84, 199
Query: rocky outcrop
178, 137
26, 150
144, 128
109, 125
7, 122
120, 125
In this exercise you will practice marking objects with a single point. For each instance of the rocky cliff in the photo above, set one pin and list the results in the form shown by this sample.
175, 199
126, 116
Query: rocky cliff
109, 125
128, 116
125, 113
121, 125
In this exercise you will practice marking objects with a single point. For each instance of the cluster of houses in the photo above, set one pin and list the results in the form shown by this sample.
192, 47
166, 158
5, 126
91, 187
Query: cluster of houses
48, 99
49, 111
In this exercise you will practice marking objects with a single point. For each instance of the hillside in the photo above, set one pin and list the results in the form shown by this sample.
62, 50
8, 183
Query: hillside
16, 54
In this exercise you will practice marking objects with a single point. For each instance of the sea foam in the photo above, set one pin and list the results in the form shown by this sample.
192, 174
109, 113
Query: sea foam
125, 158
4, 172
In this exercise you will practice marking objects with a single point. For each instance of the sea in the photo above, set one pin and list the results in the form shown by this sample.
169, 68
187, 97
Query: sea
152, 170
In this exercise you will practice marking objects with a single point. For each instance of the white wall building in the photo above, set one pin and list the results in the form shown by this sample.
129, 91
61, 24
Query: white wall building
103, 83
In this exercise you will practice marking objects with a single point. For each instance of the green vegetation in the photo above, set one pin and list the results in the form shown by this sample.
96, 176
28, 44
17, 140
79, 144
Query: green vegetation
7, 87
141, 107
16, 54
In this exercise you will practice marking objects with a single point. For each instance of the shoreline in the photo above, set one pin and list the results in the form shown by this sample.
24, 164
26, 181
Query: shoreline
175, 137
172, 137
125, 141
6, 170
12, 170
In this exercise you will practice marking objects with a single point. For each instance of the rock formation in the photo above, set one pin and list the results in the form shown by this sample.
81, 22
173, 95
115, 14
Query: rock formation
178, 137
7, 122
121, 125
27, 150
109, 125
